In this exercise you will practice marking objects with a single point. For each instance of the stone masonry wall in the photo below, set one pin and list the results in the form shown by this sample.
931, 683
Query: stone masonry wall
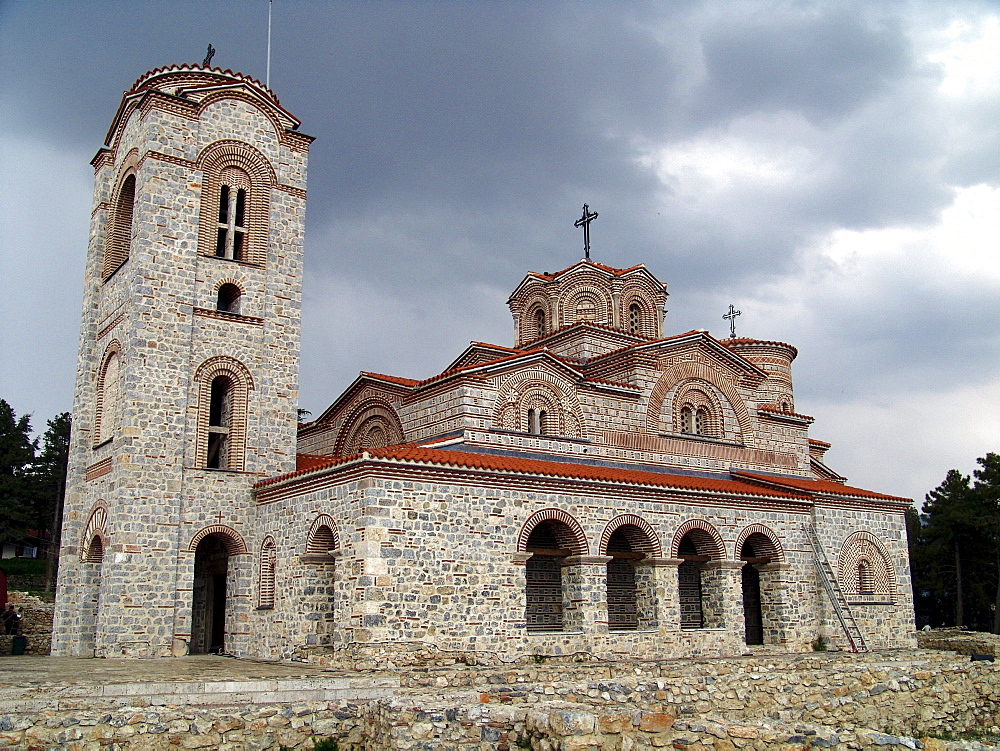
889, 700
437, 562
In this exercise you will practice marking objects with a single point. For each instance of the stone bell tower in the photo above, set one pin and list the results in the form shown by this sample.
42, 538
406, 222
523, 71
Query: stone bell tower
187, 374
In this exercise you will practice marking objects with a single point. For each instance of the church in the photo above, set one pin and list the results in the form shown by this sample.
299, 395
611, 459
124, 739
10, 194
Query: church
598, 487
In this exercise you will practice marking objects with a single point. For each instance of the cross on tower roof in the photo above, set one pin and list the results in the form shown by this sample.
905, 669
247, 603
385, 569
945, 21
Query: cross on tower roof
584, 221
731, 317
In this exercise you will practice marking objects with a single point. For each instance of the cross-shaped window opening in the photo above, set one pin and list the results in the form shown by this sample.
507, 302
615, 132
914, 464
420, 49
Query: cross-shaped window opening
232, 227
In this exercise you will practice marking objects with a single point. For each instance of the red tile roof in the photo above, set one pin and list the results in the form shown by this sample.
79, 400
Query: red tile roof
305, 462
416, 455
609, 269
390, 378
775, 411
823, 487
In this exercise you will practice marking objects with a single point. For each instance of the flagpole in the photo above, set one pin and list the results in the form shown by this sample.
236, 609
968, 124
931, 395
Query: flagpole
267, 79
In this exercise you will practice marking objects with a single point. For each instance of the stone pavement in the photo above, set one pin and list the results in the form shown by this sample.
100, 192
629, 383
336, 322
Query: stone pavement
61, 683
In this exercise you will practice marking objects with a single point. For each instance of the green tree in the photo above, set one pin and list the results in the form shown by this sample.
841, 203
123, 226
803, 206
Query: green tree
986, 491
17, 485
50, 479
955, 552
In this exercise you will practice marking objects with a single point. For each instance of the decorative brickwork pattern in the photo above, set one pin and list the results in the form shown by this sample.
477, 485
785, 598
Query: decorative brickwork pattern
108, 393
371, 424
241, 383
95, 535
236, 165
764, 540
864, 568
568, 531
642, 538
691, 370
705, 537
231, 539
323, 536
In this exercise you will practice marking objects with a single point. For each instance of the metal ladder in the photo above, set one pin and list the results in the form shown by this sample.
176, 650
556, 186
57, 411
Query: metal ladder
854, 637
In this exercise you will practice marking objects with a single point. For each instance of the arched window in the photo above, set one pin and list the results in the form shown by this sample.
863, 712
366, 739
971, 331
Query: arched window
866, 578
689, 585
540, 327
623, 614
231, 234
703, 588
634, 318
536, 422
106, 416
223, 390
235, 207
119, 236
268, 564
219, 420
228, 299
696, 413
543, 579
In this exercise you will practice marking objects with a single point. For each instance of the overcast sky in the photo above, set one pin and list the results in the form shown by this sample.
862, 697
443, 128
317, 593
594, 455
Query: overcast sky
832, 169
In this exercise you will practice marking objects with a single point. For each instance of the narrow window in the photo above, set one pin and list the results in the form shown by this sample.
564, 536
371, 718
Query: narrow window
268, 561
633, 318
540, 329
687, 419
228, 299
866, 580
119, 241
536, 421
701, 421
219, 420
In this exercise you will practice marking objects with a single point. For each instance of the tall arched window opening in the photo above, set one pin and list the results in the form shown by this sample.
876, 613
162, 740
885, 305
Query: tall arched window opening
119, 239
634, 318
689, 584
543, 580
540, 327
232, 225
623, 613
268, 564
219, 421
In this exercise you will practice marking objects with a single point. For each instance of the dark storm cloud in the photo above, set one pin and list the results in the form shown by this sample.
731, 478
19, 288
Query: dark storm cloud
722, 144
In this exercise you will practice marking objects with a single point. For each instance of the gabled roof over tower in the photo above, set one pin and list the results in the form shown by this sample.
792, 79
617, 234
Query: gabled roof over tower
187, 89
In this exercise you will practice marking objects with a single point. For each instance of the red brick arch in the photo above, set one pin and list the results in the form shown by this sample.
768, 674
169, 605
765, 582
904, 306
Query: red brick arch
233, 540
685, 371
772, 546
315, 544
569, 532
641, 536
97, 527
706, 538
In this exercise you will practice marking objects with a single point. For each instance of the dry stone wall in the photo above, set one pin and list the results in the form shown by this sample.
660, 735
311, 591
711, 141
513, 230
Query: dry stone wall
889, 700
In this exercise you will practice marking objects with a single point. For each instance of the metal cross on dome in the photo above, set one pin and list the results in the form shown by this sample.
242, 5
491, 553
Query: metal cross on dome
731, 317
584, 221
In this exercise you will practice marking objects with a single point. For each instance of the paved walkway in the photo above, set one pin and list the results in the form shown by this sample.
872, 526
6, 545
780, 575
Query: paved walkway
27, 671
